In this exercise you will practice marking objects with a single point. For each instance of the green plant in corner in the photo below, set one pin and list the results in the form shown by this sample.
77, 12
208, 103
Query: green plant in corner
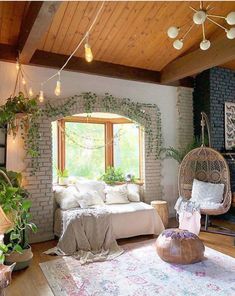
16, 205
112, 175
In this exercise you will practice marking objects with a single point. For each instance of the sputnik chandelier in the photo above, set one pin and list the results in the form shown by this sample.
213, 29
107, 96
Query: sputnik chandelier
200, 16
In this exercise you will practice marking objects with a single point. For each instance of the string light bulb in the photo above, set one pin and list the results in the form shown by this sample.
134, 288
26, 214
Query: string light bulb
23, 81
58, 86
41, 95
30, 92
88, 52
17, 65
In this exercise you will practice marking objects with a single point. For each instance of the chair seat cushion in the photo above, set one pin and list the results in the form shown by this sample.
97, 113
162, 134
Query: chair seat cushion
207, 193
211, 206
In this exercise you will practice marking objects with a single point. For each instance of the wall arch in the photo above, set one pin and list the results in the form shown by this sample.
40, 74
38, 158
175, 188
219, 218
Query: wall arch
40, 184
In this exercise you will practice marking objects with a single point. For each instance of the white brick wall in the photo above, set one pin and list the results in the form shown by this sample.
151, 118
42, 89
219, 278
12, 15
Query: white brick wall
185, 116
40, 185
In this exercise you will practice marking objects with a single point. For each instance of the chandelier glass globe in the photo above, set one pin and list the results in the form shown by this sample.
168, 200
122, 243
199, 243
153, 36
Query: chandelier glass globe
199, 17
230, 18
205, 44
231, 33
173, 32
178, 44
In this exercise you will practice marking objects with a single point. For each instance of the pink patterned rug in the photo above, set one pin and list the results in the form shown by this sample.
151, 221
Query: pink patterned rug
140, 272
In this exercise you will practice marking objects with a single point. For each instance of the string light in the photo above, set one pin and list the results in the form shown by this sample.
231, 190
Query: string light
30, 92
58, 86
17, 65
88, 52
88, 57
41, 95
23, 81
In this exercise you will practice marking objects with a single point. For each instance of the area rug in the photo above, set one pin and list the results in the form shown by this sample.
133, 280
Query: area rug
140, 272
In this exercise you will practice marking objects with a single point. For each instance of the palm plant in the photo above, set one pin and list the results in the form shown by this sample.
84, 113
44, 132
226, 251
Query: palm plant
180, 153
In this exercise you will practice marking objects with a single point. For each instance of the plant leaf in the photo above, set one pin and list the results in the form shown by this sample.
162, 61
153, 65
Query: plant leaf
3, 248
26, 204
18, 249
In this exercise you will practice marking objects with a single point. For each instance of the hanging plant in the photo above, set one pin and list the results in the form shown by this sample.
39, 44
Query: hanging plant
21, 114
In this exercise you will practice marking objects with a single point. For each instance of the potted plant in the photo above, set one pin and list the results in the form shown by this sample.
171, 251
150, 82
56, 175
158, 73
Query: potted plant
62, 177
16, 205
113, 176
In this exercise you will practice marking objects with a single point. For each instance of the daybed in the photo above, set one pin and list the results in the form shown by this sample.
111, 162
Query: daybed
130, 218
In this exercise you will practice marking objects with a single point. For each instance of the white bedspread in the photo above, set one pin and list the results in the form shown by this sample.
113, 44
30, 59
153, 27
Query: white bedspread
128, 220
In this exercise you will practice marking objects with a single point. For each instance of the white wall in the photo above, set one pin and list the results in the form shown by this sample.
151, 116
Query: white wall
74, 83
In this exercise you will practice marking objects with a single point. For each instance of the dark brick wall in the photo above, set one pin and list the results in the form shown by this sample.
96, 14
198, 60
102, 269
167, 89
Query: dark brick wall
212, 89
222, 89
201, 99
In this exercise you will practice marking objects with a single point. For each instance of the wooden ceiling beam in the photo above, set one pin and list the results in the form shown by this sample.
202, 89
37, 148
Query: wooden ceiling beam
77, 64
222, 51
8, 53
36, 22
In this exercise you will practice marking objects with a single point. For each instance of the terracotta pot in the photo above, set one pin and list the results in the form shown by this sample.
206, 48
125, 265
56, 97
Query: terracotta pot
22, 260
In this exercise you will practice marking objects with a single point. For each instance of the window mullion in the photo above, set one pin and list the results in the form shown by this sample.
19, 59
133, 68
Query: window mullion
108, 144
61, 144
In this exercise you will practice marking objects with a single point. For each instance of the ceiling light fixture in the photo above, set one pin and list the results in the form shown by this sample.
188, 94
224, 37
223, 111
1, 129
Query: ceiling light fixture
199, 18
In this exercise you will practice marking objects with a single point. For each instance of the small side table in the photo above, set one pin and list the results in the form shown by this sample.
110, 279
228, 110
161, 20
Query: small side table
161, 207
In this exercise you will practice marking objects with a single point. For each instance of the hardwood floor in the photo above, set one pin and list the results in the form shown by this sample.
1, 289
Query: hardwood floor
31, 282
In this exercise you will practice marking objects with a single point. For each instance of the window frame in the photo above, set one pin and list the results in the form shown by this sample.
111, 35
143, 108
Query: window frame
108, 128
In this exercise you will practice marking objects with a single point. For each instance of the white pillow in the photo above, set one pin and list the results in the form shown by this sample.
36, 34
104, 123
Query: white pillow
133, 192
89, 199
84, 186
205, 192
66, 198
116, 194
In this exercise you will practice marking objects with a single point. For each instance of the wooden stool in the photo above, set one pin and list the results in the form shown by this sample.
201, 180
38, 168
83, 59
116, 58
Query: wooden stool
161, 207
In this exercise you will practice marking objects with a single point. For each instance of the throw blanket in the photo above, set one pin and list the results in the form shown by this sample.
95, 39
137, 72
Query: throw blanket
88, 236
189, 215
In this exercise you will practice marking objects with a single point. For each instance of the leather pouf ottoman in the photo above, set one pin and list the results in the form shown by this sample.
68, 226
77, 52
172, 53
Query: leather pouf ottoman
179, 246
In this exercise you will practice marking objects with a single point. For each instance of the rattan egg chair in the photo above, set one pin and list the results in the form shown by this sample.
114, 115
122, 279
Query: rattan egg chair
208, 165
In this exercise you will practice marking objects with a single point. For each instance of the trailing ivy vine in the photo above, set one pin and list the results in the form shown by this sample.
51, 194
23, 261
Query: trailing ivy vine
138, 112
34, 114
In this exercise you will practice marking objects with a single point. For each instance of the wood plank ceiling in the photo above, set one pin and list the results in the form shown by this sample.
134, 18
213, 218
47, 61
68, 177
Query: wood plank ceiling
128, 33
11, 15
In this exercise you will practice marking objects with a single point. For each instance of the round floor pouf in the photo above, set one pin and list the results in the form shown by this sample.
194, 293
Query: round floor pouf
179, 246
